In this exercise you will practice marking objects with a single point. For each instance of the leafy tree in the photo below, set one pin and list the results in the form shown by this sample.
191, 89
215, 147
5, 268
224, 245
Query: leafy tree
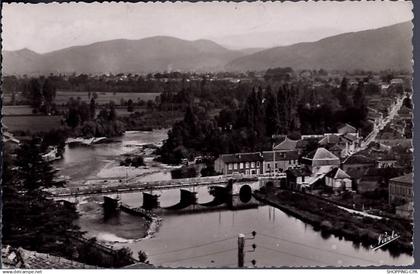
30, 219
92, 108
343, 93
360, 102
271, 113
49, 92
142, 256
35, 94
130, 105
112, 113
33, 171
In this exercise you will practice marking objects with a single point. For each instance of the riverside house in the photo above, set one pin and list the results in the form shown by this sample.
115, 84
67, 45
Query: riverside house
240, 163
321, 161
338, 180
276, 161
401, 189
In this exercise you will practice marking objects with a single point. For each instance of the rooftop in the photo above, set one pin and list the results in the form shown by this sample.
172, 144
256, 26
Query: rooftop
321, 154
338, 173
286, 144
299, 171
408, 179
287, 155
330, 139
22, 258
347, 128
358, 159
242, 157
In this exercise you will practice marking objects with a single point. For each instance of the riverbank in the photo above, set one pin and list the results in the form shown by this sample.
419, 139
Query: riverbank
330, 219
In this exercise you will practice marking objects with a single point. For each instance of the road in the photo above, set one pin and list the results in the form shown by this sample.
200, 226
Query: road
372, 136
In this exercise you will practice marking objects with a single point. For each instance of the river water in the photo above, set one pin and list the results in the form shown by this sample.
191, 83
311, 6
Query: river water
207, 239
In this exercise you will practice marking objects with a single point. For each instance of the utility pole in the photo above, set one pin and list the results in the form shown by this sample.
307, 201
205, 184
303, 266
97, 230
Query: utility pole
274, 158
241, 254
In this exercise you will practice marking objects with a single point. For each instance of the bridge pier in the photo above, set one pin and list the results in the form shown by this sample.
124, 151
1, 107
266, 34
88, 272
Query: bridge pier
150, 201
111, 206
188, 197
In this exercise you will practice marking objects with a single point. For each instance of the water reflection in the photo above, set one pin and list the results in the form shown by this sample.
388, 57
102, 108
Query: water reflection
209, 239
281, 240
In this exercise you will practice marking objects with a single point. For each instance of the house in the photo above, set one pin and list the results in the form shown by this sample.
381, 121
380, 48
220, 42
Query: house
298, 178
358, 162
240, 163
346, 128
320, 160
10, 143
338, 180
397, 81
337, 150
338, 144
386, 161
405, 210
400, 189
405, 113
286, 145
279, 161
307, 144
375, 117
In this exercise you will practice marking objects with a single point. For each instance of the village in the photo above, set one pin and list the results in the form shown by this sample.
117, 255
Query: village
371, 174
208, 135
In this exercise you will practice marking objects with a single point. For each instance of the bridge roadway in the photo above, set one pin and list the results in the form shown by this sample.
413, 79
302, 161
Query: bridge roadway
121, 187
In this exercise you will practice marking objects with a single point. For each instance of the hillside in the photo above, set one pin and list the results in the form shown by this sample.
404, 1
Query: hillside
378, 49
145, 55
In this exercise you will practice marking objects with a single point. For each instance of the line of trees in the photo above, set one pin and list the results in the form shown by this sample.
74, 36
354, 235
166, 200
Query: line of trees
252, 124
82, 119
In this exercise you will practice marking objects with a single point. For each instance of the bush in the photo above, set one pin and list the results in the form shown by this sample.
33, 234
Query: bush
184, 172
135, 161
142, 256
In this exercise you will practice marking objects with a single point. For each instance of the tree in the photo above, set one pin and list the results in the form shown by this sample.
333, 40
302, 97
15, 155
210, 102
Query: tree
271, 113
112, 113
92, 108
30, 219
142, 256
73, 118
49, 92
35, 94
360, 102
343, 94
130, 105
34, 172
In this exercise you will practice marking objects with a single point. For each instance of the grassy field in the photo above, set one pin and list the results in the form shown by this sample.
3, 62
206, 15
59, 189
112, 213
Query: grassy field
32, 123
62, 97
17, 110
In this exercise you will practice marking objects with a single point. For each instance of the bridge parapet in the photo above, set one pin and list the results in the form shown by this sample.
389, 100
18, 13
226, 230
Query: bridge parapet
100, 187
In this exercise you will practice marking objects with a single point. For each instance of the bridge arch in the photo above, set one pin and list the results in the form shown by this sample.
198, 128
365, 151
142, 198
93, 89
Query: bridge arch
245, 193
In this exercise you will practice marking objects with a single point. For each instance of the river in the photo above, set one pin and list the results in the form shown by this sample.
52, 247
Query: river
206, 239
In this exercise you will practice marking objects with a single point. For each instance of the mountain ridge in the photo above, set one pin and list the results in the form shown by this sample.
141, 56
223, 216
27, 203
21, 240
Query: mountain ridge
376, 49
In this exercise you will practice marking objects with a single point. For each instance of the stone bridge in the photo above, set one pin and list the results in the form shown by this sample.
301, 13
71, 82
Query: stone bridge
238, 181
229, 196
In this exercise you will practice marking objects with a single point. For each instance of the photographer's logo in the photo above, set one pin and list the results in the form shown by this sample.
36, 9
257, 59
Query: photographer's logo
385, 239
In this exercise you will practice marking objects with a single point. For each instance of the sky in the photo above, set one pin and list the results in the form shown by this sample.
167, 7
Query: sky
48, 27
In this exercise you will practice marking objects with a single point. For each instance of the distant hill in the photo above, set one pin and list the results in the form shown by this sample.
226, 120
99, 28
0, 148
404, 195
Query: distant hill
248, 51
383, 48
122, 56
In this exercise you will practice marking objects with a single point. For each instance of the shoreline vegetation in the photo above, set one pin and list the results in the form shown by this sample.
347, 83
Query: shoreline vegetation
331, 220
